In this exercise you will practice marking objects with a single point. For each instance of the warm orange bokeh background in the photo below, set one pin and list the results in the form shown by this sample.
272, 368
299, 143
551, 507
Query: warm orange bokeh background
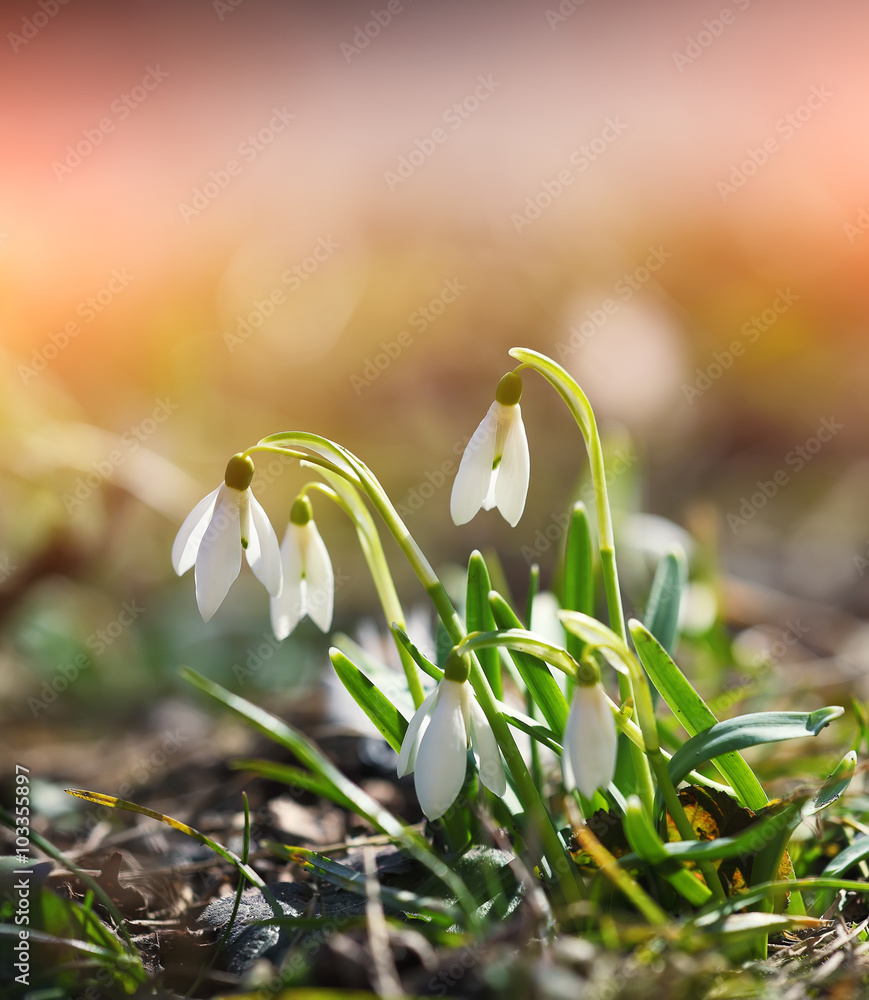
665, 130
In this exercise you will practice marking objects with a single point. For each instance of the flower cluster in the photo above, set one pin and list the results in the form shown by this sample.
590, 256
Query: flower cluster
494, 472
229, 521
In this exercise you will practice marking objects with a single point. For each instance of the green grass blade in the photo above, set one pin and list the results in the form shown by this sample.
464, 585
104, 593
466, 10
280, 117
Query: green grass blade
98, 798
665, 598
294, 777
386, 717
748, 731
479, 618
693, 713
535, 673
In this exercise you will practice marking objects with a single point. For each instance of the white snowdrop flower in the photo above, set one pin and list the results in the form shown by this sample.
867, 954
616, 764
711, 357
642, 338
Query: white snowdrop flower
436, 743
496, 466
588, 759
222, 525
309, 582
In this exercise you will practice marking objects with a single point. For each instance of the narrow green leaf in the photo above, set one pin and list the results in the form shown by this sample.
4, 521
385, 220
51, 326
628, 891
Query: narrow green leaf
385, 716
577, 586
693, 713
421, 660
835, 785
479, 618
294, 777
770, 890
649, 847
852, 855
748, 731
665, 598
745, 844
535, 673
98, 798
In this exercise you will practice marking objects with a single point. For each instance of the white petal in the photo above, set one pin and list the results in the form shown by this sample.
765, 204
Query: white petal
442, 758
189, 536
263, 553
514, 470
218, 560
320, 580
486, 750
415, 729
590, 741
474, 477
288, 607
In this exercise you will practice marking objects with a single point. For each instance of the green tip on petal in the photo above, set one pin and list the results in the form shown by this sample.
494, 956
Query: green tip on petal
456, 668
239, 472
509, 390
301, 511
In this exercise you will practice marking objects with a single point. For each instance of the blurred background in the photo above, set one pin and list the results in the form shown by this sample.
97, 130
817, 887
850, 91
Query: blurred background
223, 219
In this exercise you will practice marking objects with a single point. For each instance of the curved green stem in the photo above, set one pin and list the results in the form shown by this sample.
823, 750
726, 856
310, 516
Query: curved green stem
348, 499
580, 408
582, 412
339, 459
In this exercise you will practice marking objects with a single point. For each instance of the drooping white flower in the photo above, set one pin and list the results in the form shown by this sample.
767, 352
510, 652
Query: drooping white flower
496, 465
214, 534
588, 759
309, 582
435, 747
